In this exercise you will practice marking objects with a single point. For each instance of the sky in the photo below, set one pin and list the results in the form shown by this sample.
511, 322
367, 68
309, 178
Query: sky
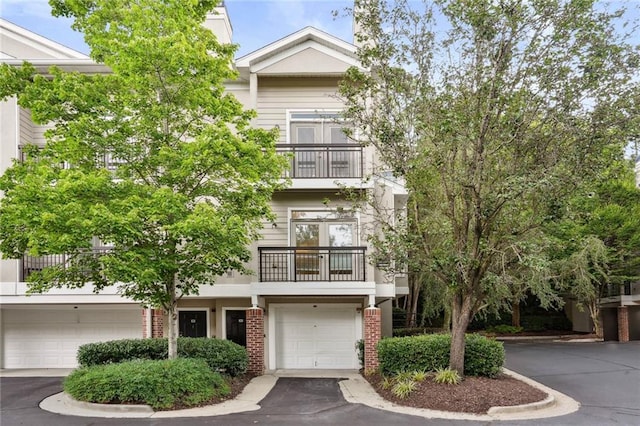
255, 23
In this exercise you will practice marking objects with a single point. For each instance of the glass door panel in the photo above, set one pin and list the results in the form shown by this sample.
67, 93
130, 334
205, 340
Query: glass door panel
307, 264
341, 263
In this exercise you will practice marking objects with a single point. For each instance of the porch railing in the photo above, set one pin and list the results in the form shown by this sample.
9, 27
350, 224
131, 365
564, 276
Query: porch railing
31, 264
300, 264
309, 161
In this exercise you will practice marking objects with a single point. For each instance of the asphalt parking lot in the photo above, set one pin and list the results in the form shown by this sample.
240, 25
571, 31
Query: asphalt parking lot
603, 377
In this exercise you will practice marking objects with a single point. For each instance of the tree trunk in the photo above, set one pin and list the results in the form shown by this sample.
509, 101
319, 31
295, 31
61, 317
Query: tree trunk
461, 316
515, 313
446, 322
594, 313
173, 324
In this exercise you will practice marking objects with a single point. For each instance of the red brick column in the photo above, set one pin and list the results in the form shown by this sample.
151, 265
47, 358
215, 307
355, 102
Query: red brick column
372, 334
255, 340
623, 324
157, 323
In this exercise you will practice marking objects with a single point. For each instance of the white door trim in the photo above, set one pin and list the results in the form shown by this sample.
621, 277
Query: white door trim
206, 309
223, 321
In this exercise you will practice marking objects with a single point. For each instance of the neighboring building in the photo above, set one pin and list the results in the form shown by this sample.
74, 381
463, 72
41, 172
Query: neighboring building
305, 307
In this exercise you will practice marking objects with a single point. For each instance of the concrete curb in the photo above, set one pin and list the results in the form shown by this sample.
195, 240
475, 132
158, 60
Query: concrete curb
358, 391
354, 388
247, 400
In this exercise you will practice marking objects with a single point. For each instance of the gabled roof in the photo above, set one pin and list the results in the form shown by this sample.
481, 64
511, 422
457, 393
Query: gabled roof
19, 43
309, 51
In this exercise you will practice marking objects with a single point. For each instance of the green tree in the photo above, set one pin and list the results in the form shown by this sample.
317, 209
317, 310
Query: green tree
485, 110
187, 181
597, 239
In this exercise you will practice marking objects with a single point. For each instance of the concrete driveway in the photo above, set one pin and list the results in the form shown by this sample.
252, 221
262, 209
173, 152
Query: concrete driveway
604, 377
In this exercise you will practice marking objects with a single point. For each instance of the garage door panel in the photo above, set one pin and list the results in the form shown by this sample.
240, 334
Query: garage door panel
316, 338
49, 338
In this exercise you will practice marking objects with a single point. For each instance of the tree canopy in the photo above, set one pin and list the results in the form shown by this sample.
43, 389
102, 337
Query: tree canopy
153, 158
487, 111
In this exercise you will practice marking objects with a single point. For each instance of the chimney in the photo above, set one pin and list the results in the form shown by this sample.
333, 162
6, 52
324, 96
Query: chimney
218, 22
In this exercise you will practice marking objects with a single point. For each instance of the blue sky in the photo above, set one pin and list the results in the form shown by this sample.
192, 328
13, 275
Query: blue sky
255, 22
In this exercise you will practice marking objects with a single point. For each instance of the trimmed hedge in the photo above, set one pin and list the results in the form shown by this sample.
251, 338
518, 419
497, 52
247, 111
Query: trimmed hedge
221, 355
483, 357
161, 384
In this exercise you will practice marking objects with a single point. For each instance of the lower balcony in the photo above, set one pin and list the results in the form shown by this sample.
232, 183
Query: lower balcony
311, 264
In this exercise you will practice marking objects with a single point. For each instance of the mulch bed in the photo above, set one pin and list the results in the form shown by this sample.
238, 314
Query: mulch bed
473, 395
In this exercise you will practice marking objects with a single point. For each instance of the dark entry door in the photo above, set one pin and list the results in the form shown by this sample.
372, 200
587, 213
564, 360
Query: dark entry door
237, 327
192, 323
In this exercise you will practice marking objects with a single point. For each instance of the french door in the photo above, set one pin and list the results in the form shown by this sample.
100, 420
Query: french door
317, 256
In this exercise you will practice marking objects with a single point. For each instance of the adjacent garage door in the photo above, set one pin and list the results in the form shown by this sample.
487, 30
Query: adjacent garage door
49, 338
316, 338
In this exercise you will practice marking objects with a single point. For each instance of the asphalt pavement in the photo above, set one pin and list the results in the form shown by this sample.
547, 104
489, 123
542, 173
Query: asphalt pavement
603, 377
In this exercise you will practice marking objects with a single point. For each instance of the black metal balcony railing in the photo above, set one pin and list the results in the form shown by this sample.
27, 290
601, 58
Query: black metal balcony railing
110, 162
614, 290
323, 160
295, 264
31, 264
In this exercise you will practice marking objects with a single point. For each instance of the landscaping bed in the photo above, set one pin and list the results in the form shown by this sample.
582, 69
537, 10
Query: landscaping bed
473, 395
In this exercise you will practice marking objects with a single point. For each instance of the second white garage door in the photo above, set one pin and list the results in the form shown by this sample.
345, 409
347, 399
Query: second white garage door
316, 337
49, 338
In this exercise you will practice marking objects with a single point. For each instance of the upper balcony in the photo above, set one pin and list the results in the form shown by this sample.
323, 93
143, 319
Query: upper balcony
323, 165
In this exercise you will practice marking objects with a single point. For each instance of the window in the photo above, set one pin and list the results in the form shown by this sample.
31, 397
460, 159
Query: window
321, 146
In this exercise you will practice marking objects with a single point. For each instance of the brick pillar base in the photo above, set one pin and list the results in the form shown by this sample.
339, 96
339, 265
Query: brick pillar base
157, 323
623, 324
372, 334
255, 340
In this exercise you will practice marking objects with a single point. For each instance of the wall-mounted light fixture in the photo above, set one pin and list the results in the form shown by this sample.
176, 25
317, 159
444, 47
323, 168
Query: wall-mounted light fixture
274, 225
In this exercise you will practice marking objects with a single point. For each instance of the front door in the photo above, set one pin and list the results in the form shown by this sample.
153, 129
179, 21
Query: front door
236, 326
192, 323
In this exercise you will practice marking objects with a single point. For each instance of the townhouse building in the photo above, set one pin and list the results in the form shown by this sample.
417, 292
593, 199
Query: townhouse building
313, 295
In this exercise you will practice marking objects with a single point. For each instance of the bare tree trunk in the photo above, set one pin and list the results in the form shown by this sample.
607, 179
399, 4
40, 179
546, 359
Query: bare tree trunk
515, 313
461, 316
173, 323
594, 313
446, 323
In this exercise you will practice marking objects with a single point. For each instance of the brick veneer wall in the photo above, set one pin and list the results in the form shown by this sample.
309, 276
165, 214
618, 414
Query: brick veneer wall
372, 334
255, 340
157, 323
623, 324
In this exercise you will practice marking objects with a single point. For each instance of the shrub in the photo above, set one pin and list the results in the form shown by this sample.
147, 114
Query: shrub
415, 331
447, 376
403, 388
483, 357
504, 329
360, 350
221, 355
161, 384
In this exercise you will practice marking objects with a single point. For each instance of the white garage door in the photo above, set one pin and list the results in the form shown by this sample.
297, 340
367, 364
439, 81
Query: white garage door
49, 338
316, 338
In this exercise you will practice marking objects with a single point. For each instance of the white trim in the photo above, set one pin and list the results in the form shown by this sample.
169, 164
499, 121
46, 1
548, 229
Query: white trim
223, 321
273, 316
197, 309
29, 38
307, 33
258, 66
